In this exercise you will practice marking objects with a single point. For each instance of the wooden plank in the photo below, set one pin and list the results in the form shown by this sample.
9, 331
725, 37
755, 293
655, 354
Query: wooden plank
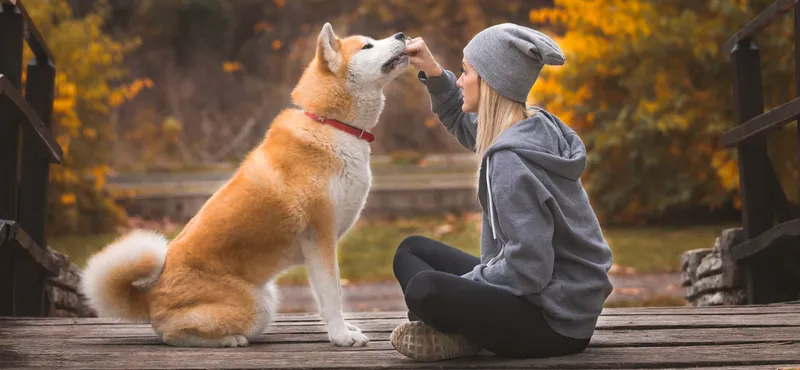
31, 123
141, 335
790, 229
763, 122
133, 357
640, 322
649, 311
18, 238
762, 20
35, 40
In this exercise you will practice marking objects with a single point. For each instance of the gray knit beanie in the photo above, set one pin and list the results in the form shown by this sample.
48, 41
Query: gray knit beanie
510, 57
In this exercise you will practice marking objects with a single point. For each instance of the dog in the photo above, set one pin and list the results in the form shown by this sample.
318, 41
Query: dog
288, 203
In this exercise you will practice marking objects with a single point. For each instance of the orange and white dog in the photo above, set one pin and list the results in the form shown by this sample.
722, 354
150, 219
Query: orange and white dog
288, 203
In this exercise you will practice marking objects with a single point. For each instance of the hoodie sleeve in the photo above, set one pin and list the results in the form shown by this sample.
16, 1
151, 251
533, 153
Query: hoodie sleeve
446, 101
525, 224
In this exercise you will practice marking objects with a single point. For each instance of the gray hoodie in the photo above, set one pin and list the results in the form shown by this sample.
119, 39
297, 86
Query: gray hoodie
541, 239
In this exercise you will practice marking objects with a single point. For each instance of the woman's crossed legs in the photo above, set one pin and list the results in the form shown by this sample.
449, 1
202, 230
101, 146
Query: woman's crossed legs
429, 272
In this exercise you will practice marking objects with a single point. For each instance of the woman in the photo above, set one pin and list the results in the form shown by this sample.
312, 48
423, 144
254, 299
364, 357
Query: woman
539, 286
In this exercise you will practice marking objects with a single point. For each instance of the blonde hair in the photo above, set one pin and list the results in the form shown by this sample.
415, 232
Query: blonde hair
496, 113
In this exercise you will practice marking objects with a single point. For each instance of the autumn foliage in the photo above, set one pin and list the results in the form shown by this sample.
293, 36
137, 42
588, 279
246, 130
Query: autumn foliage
648, 88
171, 84
89, 72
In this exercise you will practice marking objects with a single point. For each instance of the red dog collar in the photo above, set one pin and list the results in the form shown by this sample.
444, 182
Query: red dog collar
357, 132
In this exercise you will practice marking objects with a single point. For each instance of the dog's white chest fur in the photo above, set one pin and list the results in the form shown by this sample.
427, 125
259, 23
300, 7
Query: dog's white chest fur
349, 188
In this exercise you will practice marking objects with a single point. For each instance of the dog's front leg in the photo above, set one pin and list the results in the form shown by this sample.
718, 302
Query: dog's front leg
323, 273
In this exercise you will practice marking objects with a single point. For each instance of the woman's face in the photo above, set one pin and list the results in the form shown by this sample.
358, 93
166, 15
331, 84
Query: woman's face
469, 84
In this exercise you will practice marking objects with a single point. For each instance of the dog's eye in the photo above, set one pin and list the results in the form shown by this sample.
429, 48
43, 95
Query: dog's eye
367, 46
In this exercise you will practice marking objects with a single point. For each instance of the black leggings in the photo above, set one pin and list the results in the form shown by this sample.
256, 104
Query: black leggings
500, 322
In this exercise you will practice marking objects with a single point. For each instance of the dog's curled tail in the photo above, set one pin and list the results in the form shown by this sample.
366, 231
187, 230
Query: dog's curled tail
116, 279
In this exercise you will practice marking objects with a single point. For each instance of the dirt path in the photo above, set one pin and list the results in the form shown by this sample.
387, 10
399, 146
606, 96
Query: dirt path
388, 297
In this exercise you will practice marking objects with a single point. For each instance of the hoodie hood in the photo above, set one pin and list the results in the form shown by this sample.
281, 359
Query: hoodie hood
543, 139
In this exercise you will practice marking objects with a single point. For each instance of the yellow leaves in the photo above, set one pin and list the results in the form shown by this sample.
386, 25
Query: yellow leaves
90, 133
69, 176
128, 92
276, 44
99, 174
67, 199
726, 169
231, 67
63, 141
116, 99
612, 18
63, 104
171, 126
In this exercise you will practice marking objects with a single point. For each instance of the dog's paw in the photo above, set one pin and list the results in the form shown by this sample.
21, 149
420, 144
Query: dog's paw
348, 338
231, 341
241, 341
352, 327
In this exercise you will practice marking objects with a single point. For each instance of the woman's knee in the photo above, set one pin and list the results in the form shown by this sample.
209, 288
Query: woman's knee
423, 290
405, 249
409, 243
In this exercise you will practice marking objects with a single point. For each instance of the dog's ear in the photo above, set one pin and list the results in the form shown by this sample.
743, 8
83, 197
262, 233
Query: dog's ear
328, 49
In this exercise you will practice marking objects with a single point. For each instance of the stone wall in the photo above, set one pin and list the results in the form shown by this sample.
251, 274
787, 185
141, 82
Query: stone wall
710, 276
62, 291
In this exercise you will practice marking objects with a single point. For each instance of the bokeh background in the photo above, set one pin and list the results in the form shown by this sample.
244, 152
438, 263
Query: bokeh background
149, 90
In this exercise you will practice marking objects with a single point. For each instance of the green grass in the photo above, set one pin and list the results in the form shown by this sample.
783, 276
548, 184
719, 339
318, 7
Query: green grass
365, 254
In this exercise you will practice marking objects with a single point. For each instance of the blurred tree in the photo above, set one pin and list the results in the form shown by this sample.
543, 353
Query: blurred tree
648, 88
88, 69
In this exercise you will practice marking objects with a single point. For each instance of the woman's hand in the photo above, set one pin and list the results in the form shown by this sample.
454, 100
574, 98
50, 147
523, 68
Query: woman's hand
421, 58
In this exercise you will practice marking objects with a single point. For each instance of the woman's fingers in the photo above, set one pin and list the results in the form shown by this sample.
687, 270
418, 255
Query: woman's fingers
414, 47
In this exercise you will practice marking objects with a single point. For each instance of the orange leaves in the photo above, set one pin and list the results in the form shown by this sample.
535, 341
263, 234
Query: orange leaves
279, 3
128, 92
276, 44
231, 67
67, 199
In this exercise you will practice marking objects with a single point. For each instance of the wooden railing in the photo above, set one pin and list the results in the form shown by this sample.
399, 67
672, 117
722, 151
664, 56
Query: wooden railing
770, 253
25, 157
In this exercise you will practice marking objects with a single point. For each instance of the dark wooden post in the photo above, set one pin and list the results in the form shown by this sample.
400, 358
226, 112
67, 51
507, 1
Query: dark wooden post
35, 165
757, 215
11, 31
33, 189
11, 35
797, 76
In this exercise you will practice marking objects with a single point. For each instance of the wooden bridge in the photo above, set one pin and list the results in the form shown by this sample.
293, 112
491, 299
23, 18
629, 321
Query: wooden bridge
765, 333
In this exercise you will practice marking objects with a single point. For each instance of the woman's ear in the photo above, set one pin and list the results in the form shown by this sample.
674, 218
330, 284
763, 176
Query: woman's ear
328, 49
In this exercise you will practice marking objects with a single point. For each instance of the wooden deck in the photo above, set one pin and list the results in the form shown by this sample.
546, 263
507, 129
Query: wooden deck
765, 337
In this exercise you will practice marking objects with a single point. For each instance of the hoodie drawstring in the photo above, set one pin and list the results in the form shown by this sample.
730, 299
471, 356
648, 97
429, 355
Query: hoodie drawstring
489, 196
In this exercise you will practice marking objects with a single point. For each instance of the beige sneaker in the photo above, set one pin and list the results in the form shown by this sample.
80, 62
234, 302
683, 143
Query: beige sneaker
421, 342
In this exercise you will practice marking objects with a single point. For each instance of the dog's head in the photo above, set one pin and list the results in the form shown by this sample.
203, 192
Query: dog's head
361, 61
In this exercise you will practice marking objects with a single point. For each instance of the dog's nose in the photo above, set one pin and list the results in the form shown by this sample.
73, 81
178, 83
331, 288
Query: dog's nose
400, 36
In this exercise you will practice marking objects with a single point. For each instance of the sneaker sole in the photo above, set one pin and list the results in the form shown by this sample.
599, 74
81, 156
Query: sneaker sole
420, 342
